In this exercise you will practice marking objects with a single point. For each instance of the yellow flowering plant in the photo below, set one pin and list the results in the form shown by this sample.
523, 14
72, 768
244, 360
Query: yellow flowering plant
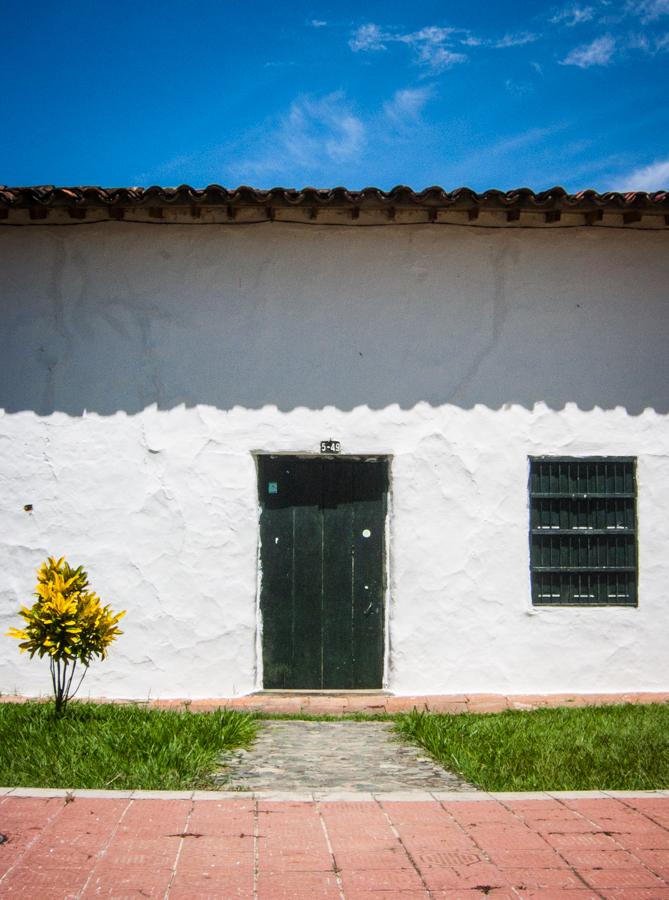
67, 623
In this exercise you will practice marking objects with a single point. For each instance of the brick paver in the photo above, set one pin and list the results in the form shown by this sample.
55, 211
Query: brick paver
612, 846
379, 702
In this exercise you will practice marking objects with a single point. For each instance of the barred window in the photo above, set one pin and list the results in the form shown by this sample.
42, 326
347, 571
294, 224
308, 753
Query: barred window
583, 549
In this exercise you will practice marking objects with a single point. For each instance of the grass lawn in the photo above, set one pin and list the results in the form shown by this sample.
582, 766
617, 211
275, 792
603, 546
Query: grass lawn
120, 747
593, 748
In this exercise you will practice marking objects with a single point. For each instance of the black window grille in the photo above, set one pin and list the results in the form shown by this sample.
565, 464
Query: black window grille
583, 546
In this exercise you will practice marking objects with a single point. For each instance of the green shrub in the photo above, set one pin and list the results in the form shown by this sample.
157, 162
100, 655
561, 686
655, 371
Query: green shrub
68, 624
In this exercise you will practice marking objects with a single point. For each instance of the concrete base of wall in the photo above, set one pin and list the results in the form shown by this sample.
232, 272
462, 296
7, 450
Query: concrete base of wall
380, 703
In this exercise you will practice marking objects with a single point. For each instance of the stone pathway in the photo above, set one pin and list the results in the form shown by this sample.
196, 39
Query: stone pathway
333, 756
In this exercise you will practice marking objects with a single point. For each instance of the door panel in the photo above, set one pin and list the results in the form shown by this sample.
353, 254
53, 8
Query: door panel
322, 581
368, 615
337, 511
306, 611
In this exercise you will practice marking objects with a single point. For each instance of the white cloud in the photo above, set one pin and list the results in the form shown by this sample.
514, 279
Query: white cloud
406, 105
509, 40
650, 44
649, 10
439, 58
435, 46
314, 133
368, 37
597, 53
318, 23
654, 177
432, 45
516, 40
326, 125
573, 15
432, 34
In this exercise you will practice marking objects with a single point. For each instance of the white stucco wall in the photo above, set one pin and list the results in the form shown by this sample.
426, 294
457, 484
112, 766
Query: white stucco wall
141, 366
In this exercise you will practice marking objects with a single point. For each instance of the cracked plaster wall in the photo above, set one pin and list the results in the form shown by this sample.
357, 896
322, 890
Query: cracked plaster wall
140, 367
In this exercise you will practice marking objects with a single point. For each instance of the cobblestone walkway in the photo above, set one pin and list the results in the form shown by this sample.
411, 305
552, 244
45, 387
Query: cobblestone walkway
344, 756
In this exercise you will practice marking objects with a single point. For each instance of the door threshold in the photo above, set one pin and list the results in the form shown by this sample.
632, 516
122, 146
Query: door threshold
301, 692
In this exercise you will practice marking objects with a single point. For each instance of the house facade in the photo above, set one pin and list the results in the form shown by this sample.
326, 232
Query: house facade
333, 440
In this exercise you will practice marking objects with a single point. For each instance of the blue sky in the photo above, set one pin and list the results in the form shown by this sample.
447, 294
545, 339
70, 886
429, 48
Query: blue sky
485, 94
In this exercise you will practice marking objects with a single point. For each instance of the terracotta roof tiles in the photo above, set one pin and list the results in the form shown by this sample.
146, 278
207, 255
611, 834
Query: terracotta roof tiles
401, 196
433, 202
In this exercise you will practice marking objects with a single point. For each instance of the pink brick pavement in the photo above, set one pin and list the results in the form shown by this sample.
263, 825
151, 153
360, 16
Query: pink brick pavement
560, 846
378, 702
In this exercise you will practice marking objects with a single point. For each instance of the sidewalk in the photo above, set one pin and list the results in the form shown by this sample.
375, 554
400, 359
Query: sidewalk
346, 847
346, 703
378, 702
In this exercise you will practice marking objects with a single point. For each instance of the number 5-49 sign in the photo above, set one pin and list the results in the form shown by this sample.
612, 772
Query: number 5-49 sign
330, 446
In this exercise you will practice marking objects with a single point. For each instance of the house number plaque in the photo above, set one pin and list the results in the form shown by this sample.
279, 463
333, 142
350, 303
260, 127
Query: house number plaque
330, 446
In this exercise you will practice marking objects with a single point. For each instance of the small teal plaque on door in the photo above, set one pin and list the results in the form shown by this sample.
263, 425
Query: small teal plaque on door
272, 487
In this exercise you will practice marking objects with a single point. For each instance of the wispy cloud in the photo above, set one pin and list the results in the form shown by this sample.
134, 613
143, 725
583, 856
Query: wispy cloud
313, 133
598, 53
507, 160
630, 25
573, 15
433, 46
321, 125
439, 58
654, 177
431, 34
406, 106
319, 140
369, 37
509, 40
318, 23
518, 88
516, 40
651, 44
648, 10
436, 47
528, 138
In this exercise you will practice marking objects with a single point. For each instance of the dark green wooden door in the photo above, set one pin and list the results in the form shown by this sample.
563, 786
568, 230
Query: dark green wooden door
322, 580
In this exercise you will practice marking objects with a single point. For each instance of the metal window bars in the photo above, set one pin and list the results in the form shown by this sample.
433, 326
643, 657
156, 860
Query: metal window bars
583, 545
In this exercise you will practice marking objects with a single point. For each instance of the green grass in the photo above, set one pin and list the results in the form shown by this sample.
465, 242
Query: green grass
595, 748
119, 747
